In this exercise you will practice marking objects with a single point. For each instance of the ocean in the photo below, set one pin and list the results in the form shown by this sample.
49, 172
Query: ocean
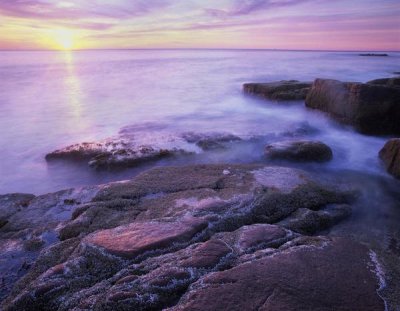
49, 100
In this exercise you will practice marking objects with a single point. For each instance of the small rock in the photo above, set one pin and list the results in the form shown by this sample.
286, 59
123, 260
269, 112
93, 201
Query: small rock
390, 155
302, 151
374, 54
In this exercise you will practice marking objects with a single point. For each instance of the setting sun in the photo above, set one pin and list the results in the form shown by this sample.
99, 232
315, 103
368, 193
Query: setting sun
64, 39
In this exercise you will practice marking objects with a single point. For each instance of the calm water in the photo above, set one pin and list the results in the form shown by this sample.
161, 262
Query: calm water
51, 99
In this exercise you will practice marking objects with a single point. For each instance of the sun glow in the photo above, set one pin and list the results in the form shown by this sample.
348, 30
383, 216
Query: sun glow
64, 39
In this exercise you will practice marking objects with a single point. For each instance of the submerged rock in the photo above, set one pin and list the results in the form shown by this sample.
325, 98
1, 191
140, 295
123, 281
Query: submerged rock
142, 243
372, 108
282, 90
302, 151
390, 155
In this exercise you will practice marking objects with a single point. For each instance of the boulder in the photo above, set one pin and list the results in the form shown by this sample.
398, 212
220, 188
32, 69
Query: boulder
302, 151
372, 108
390, 155
282, 90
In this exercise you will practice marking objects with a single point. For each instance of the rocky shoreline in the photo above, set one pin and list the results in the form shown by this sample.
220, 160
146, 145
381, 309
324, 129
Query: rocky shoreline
207, 237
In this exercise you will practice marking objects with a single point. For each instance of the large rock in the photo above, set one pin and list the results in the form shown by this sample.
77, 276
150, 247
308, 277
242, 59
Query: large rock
323, 275
282, 90
390, 155
371, 108
302, 151
140, 244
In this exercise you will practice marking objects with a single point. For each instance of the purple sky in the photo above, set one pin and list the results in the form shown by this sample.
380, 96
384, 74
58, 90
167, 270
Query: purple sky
280, 24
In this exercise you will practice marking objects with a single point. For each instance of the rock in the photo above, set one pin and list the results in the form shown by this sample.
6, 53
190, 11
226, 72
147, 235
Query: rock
138, 238
111, 153
140, 244
374, 54
303, 151
392, 82
29, 226
324, 275
307, 221
210, 141
371, 108
282, 90
128, 150
390, 155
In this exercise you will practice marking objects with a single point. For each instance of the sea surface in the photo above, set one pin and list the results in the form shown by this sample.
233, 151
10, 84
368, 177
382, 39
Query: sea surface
49, 100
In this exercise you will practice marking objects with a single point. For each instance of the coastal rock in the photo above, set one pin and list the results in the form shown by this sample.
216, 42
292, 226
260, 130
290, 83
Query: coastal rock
282, 90
392, 82
390, 155
141, 243
315, 274
302, 151
111, 153
370, 107
210, 141
129, 150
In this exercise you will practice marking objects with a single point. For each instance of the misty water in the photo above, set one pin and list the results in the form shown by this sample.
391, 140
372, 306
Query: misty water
49, 100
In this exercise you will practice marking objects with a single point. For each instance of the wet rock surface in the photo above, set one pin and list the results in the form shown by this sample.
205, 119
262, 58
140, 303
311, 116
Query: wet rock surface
113, 153
304, 274
390, 155
372, 108
166, 237
127, 150
301, 151
282, 90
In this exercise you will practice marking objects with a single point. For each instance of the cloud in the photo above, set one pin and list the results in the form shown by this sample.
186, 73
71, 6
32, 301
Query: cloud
73, 9
246, 7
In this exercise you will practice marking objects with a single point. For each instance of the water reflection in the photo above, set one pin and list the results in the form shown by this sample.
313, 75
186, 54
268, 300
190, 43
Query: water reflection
73, 89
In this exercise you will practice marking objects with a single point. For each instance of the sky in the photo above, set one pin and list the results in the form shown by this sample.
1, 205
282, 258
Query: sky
363, 25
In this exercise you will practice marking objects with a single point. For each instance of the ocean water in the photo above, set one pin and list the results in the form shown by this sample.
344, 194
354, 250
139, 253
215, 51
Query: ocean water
49, 100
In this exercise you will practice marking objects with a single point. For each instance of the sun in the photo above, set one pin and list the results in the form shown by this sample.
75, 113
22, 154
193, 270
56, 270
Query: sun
64, 39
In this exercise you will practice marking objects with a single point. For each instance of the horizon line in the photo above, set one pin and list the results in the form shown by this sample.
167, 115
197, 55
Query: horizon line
215, 49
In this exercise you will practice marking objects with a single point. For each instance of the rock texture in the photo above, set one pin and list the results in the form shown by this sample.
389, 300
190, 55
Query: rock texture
155, 241
372, 108
111, 153
282, 90
390, 155
130, 151
291, 279
302, 151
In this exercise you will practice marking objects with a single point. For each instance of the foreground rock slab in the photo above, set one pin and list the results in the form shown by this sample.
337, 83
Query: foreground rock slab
301, 151
390, 155
372, 108
140, 244
282, 90
321, 274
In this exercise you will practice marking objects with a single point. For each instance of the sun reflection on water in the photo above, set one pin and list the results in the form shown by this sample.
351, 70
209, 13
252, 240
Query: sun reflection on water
73, 87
